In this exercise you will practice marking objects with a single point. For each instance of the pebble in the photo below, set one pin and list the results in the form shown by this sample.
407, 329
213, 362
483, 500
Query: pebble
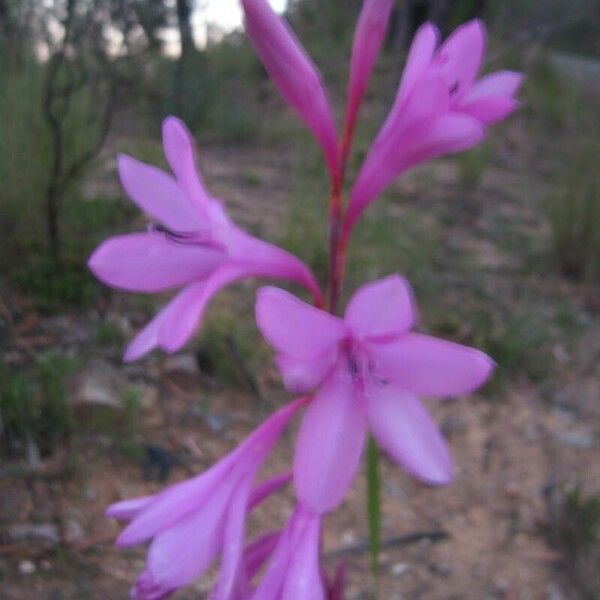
553, 592
348, 538
399, 569
578, 439
99, 383
181, 363
73, 531
26, 567
34, 532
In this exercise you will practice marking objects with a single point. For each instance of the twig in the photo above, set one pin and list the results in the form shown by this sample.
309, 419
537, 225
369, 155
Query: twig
402, 540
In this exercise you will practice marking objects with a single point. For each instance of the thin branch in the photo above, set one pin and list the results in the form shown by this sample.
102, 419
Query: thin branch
362, 547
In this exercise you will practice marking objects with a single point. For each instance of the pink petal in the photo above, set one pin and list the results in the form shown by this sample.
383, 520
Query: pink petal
128, 509
180, 150
233, 543
304, 374
159, 195
336, 591
499, 83
423, 140
173, 504
419, 59
303, 578
425, 365
382, 309
459, 59
293, 73
329, 444
491, 109
182, 499
265, 489
177, 321
182, 552
368, 37
428, 99
294, 327
293, 573
262, 440
150, 262
272, 581
146, 588
406, 432
449, 134
257, 553
267, 260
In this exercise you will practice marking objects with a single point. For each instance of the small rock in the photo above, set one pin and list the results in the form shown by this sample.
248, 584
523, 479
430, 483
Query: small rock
441, 569
32, 452
89, 493
399, 569
215, 422
73, 531
146, 394
181, 363
348, 538
99, 383
579, 439
32, 532
553, 592
26, 567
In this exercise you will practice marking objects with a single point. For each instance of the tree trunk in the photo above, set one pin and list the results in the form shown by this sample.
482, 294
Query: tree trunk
186, 37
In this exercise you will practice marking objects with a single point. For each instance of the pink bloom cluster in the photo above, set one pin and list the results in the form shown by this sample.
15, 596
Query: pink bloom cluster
363, 372
192, 244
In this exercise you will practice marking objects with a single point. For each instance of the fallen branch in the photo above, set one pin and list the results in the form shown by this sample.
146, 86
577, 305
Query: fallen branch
402, 540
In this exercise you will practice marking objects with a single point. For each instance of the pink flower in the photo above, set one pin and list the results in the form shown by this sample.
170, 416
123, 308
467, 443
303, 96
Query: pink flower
193, 521
294, 573
336, 587
368, 370
294, 73
299, 80
194, 246
440, 108
368, 37
254, 557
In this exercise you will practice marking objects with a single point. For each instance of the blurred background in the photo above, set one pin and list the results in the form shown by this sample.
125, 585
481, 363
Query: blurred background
502, 245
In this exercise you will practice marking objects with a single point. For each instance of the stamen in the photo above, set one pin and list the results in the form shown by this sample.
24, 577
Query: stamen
178, 237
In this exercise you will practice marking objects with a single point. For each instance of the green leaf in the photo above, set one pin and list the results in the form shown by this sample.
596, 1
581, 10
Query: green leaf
373, 504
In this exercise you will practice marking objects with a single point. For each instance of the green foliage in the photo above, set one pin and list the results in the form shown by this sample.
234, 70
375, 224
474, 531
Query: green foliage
53, 287
573, 209
514, 342
225, 343
127, 439
25, 154
409, 245
374, 503
552, 104
472, 166
26, 151
573, 528
580, 523
107, 334
214, 81
34, 403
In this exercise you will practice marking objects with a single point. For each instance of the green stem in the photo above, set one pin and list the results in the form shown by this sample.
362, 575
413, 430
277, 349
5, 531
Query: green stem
373, 504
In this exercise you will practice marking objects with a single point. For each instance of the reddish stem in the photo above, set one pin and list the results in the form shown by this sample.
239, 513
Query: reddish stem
337, 246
